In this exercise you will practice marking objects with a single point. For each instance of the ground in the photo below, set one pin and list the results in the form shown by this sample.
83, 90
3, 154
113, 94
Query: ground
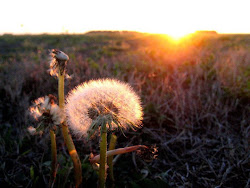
195, 96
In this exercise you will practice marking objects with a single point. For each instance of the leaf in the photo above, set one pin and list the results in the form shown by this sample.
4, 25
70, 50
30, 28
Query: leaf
32, 173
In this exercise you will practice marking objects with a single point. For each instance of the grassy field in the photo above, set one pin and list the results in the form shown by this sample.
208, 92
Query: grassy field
195, 96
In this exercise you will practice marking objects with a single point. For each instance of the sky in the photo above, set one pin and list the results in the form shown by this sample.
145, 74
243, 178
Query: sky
174, 17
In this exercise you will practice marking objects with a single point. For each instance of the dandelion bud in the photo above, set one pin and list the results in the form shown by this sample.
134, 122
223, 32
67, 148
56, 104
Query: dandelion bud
59, 55
58, 62
97, 101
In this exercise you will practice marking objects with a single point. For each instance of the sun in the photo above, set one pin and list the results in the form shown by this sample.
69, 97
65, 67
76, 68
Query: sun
178, 35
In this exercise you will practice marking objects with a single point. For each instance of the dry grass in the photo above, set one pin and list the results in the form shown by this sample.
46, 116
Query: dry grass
195, 97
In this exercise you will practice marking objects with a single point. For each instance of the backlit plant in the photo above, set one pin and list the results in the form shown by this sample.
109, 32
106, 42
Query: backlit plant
94, 107
52, 115
49, 116
57, 67
99, 106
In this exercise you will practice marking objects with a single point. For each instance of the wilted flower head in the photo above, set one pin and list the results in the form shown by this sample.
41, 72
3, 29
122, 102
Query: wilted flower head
93, 102
58, 62
45, 109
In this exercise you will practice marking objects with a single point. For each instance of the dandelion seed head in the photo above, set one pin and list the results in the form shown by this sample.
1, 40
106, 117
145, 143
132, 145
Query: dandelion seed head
46, 106
105, 98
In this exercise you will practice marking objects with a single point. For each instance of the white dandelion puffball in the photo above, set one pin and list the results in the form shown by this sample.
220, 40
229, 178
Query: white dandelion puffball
102, 97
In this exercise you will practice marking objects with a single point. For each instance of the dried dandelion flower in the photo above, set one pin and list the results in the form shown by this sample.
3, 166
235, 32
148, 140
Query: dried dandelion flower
58, 62
93, 102
48, 110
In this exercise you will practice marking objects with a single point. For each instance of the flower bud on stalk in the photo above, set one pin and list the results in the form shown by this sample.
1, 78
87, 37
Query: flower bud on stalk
57, 68
58, 62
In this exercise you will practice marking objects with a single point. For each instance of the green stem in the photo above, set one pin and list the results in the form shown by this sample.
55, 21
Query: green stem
61, 89
67, 137
73, 154
103, 157
53, 158
112, 143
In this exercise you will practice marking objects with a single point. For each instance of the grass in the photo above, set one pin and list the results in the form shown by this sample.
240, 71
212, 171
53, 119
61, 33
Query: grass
195, 96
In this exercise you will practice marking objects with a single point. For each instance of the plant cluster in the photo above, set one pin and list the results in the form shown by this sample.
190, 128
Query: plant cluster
195, 97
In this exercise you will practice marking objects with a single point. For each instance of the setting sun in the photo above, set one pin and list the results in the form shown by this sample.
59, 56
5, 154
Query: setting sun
165, 82
178, 35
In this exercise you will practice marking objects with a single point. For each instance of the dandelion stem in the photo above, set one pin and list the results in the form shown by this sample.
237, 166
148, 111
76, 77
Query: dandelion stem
53, 158
61, 89
112, 144
67, 137
117, 151
103, 157
73, 154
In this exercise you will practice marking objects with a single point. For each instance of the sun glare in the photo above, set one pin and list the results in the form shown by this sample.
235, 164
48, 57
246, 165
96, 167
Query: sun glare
178, 36
176, 33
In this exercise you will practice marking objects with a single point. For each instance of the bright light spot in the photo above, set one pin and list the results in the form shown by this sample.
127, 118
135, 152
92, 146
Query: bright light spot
176, 32
178, 36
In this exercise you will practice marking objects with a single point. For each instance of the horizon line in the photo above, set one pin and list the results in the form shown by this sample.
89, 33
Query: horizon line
89, 31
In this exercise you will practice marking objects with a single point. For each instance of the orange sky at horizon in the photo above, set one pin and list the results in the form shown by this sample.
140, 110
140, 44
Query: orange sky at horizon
176, 18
